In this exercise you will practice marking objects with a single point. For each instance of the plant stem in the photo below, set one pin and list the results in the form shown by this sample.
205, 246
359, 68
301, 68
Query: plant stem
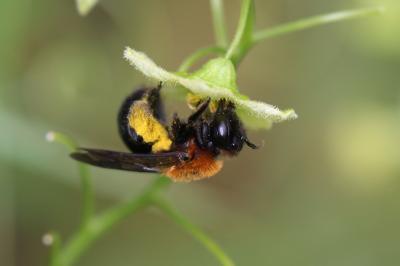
241, 45
197, 233
244, 31
84, 173
60, 138
199, 54
55, 242
306, 23
87, 194
217, 10
102, 223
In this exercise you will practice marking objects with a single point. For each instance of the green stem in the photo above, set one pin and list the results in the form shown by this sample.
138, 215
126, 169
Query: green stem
217, 10
206, 241
100, 224
60, 138
86, 184
54, 247
244, 31
199, 54
314, 21
87, 194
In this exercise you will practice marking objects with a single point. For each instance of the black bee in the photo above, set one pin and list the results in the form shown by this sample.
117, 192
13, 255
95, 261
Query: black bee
186, 151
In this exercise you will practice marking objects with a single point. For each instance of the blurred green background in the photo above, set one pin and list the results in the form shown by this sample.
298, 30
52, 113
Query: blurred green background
324, 189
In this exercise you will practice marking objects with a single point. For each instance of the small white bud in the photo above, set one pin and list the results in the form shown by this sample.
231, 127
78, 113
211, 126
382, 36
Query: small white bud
47, 239
50, 136
85, 6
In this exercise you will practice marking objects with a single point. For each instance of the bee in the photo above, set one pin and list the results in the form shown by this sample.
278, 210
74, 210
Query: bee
187, 150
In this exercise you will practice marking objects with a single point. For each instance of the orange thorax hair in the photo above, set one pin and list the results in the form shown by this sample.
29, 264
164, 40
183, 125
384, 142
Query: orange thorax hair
202, 165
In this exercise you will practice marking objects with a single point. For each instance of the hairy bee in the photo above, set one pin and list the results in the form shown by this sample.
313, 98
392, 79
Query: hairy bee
187, 150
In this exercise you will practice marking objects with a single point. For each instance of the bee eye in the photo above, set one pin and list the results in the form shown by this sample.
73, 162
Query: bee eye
221, 133
236, 144
223, 130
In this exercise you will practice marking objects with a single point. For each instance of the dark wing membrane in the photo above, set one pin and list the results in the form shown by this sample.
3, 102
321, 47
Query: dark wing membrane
149, 162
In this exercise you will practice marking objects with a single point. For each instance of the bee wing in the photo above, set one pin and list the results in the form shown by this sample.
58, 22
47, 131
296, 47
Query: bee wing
148, 162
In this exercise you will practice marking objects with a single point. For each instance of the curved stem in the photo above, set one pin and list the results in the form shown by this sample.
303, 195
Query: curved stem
217, 10
197, 233
60, 138
302, 24
199, 54
100, 224
84, 173
243, 33
314, 21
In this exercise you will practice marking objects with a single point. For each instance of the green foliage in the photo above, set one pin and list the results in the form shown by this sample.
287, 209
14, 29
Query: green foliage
244, 33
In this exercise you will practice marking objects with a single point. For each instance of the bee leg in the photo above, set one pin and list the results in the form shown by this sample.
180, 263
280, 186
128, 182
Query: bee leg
207, 139
200, 110
203, 134
180, 130
156, 104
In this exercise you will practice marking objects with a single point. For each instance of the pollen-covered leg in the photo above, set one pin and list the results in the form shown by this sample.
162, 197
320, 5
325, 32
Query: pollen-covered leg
156, 104
131, 139
140, 124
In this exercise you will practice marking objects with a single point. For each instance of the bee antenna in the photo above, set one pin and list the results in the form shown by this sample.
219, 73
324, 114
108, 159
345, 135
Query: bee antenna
251, 145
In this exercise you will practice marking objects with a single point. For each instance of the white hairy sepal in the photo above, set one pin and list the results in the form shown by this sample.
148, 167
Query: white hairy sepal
216, 79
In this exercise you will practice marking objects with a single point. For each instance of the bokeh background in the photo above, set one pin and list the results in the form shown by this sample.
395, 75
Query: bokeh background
324, 189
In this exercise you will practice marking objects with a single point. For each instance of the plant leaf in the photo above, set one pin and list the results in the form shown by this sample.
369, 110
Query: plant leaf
262, 114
